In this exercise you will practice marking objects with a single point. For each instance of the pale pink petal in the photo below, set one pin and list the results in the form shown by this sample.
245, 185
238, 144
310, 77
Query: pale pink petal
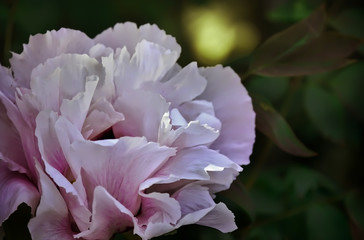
220, 218
149, 64
28, 139
182, 87
192, 164
101, 117
128, 35
108, 217
75, 198
143, 112
63, 78
68, 134
48, 143
15, 188
200, 110
11, 149
117, 166
198, 207
7, 83
152, 61
193, 134
159, 214
51, 221
233, 107
99, 50
45, 46
76, 109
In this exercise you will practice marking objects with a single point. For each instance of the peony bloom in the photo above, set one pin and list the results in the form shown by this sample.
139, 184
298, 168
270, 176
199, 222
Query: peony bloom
103, 135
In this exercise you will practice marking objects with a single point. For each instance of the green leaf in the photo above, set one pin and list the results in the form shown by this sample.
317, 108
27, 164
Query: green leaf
305, 180
327, 222
275, 127
326, 113
271, 88
347, 22
348, 84
327, 52
290, 11
284, 42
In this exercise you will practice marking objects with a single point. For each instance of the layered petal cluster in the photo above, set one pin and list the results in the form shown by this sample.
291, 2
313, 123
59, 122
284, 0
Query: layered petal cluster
105, 135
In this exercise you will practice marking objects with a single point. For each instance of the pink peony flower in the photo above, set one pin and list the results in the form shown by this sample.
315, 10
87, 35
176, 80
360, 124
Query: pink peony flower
104, 135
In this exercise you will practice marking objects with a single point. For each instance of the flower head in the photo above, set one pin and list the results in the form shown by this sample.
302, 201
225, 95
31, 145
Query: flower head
108, 134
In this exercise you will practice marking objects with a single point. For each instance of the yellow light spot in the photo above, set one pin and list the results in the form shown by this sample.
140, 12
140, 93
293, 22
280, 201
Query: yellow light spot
215, 34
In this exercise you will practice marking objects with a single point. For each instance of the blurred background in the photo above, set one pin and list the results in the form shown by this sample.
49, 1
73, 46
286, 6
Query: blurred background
279, 195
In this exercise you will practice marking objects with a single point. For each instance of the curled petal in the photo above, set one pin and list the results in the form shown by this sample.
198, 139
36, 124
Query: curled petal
108, 216
45, 46
158, 215
191, 164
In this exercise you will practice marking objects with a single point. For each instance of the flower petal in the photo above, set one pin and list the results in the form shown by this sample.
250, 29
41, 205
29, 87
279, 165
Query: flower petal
28, 140
143, 112
66, 77
51, 221
193, 134
15, 188
48, 143
233, 107
75, 198
7, 83
101, 117
45, 46
117, 167
108, 216
159, 214
128, 35
182, 87
220, 218
11, 149
192, 164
